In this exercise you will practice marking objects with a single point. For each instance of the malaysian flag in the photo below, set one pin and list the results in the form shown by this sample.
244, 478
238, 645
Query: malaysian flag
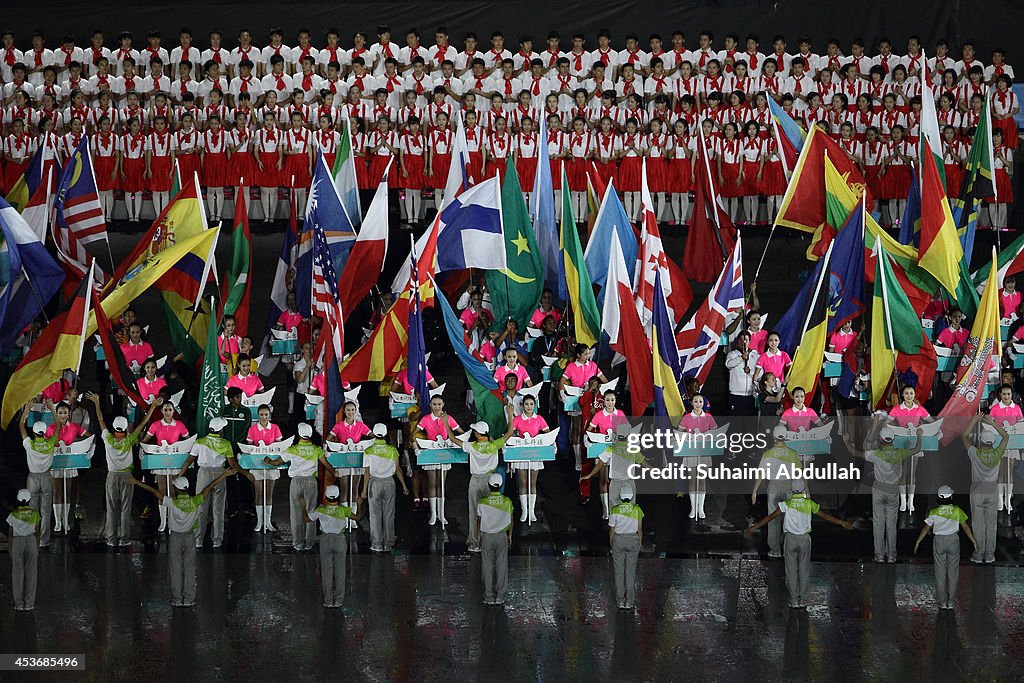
699, 338
78, 203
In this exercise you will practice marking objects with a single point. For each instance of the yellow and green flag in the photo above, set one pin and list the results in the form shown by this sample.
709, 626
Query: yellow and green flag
585, 312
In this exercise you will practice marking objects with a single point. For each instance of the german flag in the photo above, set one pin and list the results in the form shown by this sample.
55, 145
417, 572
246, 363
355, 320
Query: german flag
807, 361
69, 331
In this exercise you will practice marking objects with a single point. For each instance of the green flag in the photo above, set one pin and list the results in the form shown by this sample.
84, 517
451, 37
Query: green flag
211, 384
516, 290
239, 280
585, 312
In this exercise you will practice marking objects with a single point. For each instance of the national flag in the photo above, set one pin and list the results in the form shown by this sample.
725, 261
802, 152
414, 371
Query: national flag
26, 186
324, 211
840, 200
71, 332
284, 273
469, 235
652, 261
211, 383
181, 288
542, 211
38, 212
238, 284
910, 222
846, 271
1010, 261
983, 348
611, 220
917, 283
29, 277
806, 367
486, 394
458, 180
895, 332
516, 290
625, 331
665, 360
596, 189
712, 234
366, 260
789, 136
417, 358
790, 326
72, 255
77, 207
327, 306
940, 252
977, 184
120, 374
33, 374
383, 353
344, 174
804, 204
586, 315
698, 340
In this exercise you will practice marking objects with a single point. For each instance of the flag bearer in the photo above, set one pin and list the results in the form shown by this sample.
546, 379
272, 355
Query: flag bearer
625, 531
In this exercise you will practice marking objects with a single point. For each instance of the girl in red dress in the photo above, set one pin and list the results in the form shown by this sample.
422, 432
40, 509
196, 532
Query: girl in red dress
327, 139
631, 168
727, 157
607, 149
771, 179
381, 148
106, 166
873, 152
412, 158
242, 164
216, 170
750, 171
680, 172
659, 149
18, 149
498, 148
159, 162
896, 165
579, 150
524, 149
953, 158
475, 145
1002, 165
187, 142
1005, 108
268, 153
133, 168
557, 154
297, 151
439, 156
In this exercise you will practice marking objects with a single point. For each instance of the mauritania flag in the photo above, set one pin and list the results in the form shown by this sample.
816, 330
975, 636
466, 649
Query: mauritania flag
586, 314
344, 173
807, 361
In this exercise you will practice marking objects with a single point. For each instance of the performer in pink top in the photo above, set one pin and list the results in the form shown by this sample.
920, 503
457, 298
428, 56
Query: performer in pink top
1006, 412
607, 419
245, 380
578, 372
955, 336
1009, 297
430, 427
544, 310
67, 433
135, 350
165, 430
401, 384
697, 421
349, 429
842, 338
799, 416
773, 360
228, 342
263, 433
909, 412
528, 424
758, 335
149, 384
512, 367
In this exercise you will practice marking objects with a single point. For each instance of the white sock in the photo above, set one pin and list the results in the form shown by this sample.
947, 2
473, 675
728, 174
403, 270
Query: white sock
1001, 488
677, 208
265, 202
524, 501
58, 517
693, 504
163, 517
604, 506
438, 194
433, 512
1009, 495
267, 518
700, 505
910, 497
440, 511
533, 506
903, 498
259, 518
160, 200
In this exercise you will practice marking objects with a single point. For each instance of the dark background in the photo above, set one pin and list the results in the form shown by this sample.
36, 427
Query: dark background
989, 23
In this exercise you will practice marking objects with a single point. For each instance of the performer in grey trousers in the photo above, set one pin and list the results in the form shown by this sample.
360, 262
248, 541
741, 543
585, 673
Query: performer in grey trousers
333, 518
381, 463
494, 519
945, 521
625, 531
23, 545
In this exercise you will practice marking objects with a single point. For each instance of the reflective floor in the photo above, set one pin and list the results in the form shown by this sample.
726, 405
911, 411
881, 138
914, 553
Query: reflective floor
413, 617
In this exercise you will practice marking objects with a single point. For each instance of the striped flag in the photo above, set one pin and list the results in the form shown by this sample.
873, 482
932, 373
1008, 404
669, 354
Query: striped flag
344, 174
326, 303
665, 357
77, 206
417, 357
653, 261
239, 281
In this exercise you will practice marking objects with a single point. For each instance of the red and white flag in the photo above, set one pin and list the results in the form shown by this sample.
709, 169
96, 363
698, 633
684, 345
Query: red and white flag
712, 234
366, 260
651, 258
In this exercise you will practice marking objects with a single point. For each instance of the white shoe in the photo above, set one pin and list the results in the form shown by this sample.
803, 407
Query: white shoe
259, 518
433, 512
58, 517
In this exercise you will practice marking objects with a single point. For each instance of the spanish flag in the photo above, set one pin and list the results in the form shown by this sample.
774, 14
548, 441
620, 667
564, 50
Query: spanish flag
47, 359
181, 287
807, 361
586, 314
665, 356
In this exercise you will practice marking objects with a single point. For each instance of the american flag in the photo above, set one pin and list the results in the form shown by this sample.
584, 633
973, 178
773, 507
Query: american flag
699, 338
78, 202
326, 303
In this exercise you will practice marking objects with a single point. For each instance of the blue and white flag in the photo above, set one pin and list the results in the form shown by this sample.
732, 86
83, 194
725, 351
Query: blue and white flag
470, 232
325, 211
29, 276
611, 220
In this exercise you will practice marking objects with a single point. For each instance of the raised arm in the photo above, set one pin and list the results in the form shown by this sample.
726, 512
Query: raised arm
94, 398
833, 520
146, 487
223, 475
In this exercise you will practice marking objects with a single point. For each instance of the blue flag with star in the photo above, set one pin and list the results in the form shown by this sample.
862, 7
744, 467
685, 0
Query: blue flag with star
515, 291
323, 209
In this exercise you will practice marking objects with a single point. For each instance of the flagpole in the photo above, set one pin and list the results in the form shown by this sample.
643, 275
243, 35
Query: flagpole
35, 293
885, 304
814, 299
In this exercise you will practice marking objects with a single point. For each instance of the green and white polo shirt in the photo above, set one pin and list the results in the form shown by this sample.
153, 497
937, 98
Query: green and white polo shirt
888, 462
618, 459
381, 459
332, 518
985, 463
302, 459
777, 457
798, 510
625, 518
23, 521
39, 452
118, 452
945, 520
483, 455
212, 450
495, 513
183, 512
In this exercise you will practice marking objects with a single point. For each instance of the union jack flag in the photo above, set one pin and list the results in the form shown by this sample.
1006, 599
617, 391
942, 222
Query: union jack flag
699, 338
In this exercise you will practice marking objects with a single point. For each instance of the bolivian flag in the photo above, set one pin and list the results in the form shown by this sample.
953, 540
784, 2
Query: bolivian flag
47, 358
586, 314
804, 371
